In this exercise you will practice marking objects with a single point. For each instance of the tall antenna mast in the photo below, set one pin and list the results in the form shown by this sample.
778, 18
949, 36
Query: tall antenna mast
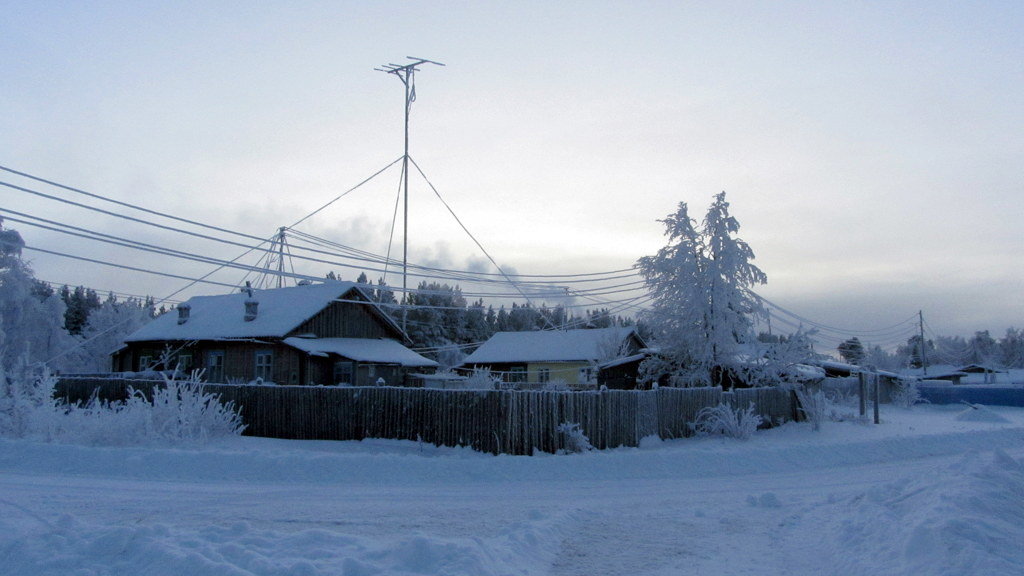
407, 74
280, 257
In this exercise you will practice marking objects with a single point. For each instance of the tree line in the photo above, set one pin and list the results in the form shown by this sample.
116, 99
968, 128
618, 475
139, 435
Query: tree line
981, 349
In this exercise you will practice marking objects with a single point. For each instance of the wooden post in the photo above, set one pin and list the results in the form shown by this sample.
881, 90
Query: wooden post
861, 391
877, 401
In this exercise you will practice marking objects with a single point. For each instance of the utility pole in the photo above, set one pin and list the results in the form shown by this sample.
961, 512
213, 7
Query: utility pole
924, 359
407, 74
280, 257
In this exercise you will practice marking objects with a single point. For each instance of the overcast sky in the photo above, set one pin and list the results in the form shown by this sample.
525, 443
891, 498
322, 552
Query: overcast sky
873, 152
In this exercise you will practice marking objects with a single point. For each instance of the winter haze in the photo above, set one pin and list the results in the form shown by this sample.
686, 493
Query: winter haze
872, 153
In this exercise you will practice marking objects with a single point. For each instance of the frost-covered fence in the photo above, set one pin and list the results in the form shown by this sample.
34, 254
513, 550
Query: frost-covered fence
499, 422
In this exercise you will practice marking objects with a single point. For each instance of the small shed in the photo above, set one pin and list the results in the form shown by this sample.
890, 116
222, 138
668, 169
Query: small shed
621, 373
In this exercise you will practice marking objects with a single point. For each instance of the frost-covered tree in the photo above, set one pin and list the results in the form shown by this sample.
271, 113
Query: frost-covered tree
1011, 348
676, 320
31, 322
982, 349
730, 275
852, 350
911, 354
80, 303
879, 358
107, 328
703, 308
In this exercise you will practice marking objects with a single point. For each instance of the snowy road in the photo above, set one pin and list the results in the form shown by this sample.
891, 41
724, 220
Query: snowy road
922, 494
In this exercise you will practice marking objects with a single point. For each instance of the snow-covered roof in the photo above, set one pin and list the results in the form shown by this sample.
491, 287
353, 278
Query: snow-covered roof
620, 361
841, 367
279, 311
849, 369
806, 371
980, 368
550, 346
937, 371
382, 351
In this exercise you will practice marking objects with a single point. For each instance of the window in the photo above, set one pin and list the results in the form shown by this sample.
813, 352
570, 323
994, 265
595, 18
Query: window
215, 366
184, 363
344, 373
585, 375
543, 375
145, 363
517, 374
265, 365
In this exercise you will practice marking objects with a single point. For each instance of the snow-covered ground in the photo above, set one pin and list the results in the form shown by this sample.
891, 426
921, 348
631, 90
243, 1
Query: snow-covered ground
929, 491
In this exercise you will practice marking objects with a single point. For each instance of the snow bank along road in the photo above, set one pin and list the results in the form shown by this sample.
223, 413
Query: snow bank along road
929, 491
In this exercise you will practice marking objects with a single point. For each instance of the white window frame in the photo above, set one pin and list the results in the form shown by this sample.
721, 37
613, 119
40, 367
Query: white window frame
264, 365
215, 366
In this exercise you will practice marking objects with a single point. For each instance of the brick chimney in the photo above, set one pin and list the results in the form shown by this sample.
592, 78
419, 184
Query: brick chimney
183, 311
251, 309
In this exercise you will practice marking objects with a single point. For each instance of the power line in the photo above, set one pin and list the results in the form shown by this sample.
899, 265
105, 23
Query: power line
123, 266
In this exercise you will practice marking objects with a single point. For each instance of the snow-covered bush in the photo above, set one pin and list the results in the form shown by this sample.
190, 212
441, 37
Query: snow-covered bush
179, 412
482, 379
723, 420
23, 394
573, 438
813, 405
183, 410
906, 393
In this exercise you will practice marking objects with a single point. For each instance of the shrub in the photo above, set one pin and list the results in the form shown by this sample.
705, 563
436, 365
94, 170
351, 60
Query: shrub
723, 420
183, 410
22, 395
906, 393
573, 438
482, 379
179, 412
813, 405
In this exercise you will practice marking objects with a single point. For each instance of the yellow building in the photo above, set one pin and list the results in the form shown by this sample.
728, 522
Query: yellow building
553, 358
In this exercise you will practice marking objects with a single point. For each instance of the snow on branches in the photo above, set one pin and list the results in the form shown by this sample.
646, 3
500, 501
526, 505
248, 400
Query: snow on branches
703, 309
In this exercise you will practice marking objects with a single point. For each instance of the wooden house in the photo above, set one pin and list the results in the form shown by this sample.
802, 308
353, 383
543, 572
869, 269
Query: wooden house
316, 334
540, 358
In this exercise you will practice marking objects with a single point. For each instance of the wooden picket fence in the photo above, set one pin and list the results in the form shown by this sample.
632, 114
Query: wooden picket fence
498, 421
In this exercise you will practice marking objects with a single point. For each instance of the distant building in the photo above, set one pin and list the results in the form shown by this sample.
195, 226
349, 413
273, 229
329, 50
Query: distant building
535, 359
948, 373
329, 333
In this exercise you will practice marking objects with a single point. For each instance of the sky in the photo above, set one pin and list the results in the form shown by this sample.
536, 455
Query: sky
872, 152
